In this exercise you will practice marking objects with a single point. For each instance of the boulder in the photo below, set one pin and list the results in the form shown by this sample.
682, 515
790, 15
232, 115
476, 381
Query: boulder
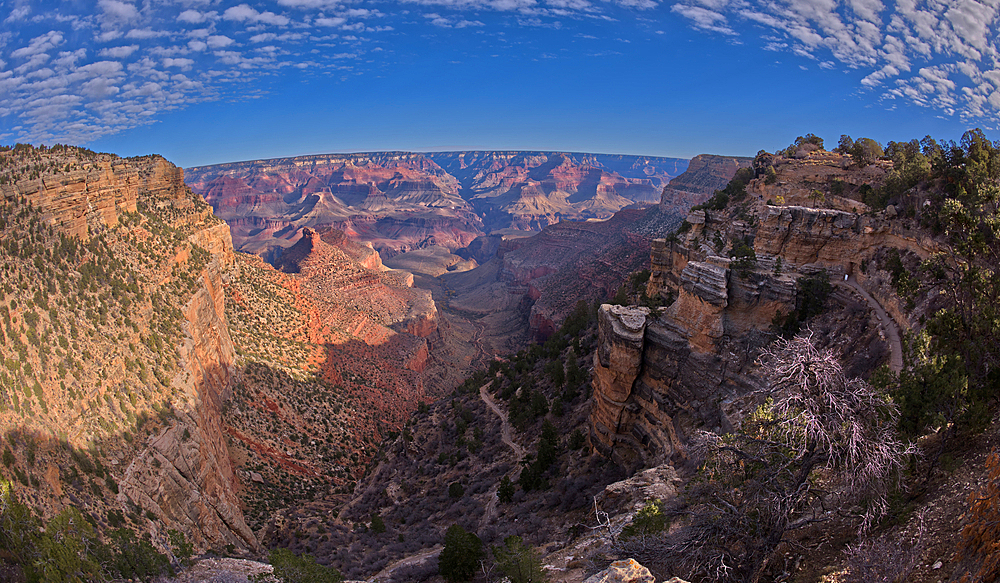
624, 571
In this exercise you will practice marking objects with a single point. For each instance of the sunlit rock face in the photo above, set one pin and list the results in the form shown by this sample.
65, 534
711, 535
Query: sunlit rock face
704, 175
160, 309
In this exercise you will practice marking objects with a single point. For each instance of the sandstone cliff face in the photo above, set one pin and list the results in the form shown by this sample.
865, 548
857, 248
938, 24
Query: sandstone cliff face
185, 476
159, 281
690, 363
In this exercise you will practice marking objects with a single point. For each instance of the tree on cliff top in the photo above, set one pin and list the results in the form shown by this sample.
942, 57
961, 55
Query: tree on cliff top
757, 485
866, 151
803, 145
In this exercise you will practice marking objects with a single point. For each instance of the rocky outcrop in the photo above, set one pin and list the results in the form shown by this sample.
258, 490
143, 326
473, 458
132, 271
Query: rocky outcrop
704, 175
694, 359
623, 571
96, 193
837, 241
818, 179
332, 268
617, 364
627, 571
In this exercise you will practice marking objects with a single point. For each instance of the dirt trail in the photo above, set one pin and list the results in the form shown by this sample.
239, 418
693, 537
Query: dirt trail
507, 435
888, 324
428, 555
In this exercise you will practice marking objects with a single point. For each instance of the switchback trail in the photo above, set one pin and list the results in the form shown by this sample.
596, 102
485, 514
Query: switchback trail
507, 436
428, 555
888, 325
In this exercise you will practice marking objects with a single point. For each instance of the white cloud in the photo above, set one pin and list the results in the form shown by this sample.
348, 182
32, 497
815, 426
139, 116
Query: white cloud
638, 4
19, 13
181, 63
244, 13
196, 17
117, 12
219, 41
99, 88
704, 18
69, 59
109, 35
146, 33
311, 4
330, 21
118, 52
39, 45
362, 13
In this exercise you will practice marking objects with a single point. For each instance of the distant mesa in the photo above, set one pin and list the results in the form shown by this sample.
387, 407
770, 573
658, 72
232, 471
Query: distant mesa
400, 201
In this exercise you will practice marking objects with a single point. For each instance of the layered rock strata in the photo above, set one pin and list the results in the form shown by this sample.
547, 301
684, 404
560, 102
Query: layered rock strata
403, 201
684, 367
704, 175
183, 474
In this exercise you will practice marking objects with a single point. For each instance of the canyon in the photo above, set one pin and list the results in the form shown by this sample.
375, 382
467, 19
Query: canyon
401, 201
302, 380
148, 353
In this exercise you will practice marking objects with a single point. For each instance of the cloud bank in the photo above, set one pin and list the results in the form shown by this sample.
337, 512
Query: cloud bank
76, 76
937, 54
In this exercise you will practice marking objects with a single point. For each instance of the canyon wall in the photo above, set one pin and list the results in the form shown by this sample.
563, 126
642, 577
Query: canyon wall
184, 475
705, 174
170, 261
402, 201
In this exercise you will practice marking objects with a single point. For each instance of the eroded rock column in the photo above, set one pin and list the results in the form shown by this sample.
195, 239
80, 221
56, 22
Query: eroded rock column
617, 363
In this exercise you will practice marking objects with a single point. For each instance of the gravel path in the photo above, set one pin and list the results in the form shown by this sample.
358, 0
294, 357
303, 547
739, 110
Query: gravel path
888, 324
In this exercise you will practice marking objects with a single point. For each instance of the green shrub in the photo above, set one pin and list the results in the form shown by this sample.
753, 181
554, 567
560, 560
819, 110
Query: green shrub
181, 547
460, 557
506, 490
519, 562
649, 520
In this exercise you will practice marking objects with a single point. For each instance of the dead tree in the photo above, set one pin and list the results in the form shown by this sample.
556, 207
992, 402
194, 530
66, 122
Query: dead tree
818, 435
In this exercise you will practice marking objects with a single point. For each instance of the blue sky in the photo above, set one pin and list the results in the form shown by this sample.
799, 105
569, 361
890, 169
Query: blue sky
209, 81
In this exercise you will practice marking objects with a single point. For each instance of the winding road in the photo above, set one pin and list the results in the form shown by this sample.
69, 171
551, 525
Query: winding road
888, 324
